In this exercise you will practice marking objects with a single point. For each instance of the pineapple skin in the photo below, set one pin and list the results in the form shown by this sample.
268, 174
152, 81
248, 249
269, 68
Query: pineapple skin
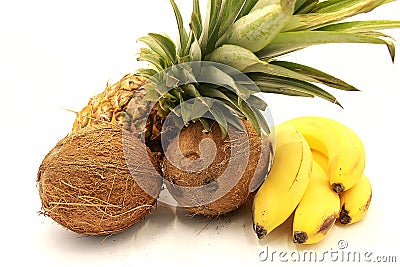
111, 106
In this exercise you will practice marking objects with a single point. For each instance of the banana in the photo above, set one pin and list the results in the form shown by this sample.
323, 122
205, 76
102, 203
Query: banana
321, 159
286, 183
355, 202
341, 146
318, 209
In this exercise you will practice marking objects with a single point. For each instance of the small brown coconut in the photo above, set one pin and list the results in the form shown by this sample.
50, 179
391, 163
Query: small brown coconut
210, 175
86, 185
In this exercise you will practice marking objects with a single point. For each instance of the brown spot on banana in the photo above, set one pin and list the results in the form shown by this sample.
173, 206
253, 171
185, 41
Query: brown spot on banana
366, 206
327, 224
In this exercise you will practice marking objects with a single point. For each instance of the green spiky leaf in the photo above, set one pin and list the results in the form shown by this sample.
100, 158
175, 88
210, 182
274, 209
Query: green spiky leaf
343, 10
167, 45
147, 73
284, 83
209, 25
255, 30
247, 7
362, 26
291, 41
317, 75
234, 56
183, 35
230, 14
153, 58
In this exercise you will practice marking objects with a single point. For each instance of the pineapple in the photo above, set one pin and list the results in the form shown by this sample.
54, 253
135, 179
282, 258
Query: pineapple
249, 36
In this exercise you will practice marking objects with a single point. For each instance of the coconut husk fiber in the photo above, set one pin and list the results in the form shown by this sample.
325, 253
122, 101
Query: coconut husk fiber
211, 175
86, 185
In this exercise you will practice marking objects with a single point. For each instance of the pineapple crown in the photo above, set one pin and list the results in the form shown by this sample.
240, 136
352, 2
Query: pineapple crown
249, 36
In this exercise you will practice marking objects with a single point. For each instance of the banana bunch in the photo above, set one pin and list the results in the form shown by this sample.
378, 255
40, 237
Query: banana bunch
287, 181
317, 174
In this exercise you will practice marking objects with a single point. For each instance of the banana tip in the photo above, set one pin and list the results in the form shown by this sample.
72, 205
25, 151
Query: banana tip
260, 231
299, 237
344, 217
338, 187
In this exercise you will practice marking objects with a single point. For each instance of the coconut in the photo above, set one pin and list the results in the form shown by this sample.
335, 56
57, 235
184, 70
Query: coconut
98, 181
211, 175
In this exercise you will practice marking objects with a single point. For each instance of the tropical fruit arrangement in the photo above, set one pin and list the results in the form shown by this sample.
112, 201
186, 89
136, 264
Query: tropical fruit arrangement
193, 123
318, 174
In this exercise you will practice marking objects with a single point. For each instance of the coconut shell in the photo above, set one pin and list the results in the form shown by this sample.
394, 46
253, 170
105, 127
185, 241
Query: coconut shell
85, 183
212, 176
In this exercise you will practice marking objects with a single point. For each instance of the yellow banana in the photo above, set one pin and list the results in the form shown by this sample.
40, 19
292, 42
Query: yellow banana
317, 211
355, 202
341, 145
286, 183
321, 159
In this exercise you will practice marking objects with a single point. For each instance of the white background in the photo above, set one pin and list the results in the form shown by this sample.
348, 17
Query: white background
54, 55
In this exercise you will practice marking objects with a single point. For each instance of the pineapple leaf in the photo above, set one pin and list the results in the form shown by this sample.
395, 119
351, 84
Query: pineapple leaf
196, 26
186, 112
147, 73
196, 9
200, 107
277, 70
257, 29
257, 102
304, 6
220, 119
253, 118
216, 94
183, 35
361, 26
232, 101
282, 83
291, 41
167, 45
209, 25
154, 47
230, 13
190, 91
316, 20
261, 119
234, 56
318, 75
247, 7
338, 5
206, 124
221, 78
152, 95
234, 120
266, 88
154, 59
307, 7
263, 3
247, 111
392, 48
195, 51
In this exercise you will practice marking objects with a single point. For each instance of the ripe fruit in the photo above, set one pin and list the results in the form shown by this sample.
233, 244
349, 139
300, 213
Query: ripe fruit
86, 186
342, 147
317, 211
214, 183
245, 35
286, 183
355, 202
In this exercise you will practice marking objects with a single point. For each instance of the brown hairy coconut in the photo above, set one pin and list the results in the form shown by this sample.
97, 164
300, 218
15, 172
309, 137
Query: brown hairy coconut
208, 174
86, 185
